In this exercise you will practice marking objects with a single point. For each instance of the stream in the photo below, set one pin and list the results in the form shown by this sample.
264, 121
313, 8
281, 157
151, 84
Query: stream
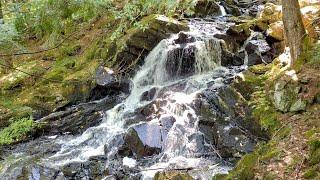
180, 114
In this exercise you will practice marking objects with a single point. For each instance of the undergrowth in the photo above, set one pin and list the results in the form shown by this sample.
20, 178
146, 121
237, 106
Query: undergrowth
18, 131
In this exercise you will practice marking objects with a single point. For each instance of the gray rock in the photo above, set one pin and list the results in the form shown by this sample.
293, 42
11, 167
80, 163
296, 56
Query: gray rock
299, 105
140, 143
286, 97
281, 100
223, 115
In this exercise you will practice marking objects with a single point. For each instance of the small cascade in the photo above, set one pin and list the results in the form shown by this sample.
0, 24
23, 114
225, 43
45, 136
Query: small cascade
222, 10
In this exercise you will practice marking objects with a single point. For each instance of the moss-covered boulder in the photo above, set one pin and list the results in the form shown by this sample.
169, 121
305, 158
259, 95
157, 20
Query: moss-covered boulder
204, 8
271, 13
286, 97
276, 31
172, 175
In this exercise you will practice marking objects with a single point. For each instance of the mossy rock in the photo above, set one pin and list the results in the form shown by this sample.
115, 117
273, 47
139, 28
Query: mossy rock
21, 75
172, 175
204, 8
286, 97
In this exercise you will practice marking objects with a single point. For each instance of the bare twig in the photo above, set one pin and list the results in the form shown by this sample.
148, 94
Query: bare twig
40, 51
33, 75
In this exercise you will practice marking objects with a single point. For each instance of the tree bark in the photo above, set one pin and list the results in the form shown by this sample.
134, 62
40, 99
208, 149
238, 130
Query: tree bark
294, 29
1, 13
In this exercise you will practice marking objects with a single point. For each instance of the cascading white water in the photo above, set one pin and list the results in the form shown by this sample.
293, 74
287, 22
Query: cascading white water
222, 10
164, 67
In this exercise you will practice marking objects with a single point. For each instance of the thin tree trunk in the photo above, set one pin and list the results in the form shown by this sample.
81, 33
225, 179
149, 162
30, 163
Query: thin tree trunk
1, 13
294, 28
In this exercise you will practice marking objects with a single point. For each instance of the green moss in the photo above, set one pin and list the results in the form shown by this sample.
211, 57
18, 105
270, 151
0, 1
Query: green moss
20, 76
11, 107
244, 168
172, 175
264, 111
314, 157
70, 50
310, 56
312, 172
17, 131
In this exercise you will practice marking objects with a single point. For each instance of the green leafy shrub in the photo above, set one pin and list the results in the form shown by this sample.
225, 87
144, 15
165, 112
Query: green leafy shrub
17, 131
46, 17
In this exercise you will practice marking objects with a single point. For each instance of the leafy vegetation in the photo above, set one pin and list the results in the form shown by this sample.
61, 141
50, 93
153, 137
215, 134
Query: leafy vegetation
17, 131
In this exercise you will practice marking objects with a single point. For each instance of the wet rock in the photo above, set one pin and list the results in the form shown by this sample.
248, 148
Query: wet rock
108, 85
143, 140
134, 119
223, 115
184, 38
105, 76
205, 8
231, 59
258, 51
78, 118
230, 42
231, 8
149, 95
93, 169
181, 62
239, 33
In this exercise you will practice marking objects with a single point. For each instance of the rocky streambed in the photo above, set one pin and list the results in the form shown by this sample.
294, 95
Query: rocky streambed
178, 112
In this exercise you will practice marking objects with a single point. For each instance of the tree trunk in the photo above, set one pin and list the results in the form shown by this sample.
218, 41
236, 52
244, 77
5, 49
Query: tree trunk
294, 28
1, 13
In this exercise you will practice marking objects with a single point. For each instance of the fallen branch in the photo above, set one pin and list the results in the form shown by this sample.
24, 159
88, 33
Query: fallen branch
40, 51
33, 75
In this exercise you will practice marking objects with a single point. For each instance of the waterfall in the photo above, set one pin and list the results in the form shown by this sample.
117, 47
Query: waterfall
222, 10
168, 63
172, 76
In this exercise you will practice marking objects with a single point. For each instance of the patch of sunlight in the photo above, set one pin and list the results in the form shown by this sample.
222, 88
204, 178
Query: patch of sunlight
285, 57
292, 74
310, 10
241, 75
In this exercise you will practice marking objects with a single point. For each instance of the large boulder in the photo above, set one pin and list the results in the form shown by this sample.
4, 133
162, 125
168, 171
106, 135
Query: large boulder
108, 84
286, 97
258, 50
142, 140
276, 31
77, 119
223, 117
205, 8
271, 13
309, 16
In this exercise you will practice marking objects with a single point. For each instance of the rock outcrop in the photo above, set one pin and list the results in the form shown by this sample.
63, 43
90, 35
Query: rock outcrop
138, 42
